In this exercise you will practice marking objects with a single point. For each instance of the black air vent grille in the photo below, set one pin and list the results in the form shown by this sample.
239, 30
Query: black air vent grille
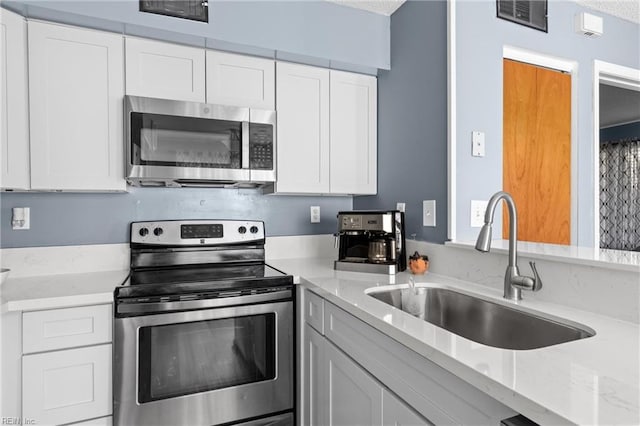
523, 10
531, 13
195, 10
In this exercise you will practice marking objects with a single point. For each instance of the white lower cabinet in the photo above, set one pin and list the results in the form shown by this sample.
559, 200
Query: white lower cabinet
67, 386
396, 413
67, 376
355, 398
352, 374
337, 391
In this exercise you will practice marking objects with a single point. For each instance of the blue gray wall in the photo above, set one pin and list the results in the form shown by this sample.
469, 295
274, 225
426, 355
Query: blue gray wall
412, 119
623, 131
480, 40
76, 219
310, 31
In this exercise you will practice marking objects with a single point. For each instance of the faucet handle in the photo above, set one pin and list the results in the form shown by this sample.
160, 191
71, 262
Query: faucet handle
537, 281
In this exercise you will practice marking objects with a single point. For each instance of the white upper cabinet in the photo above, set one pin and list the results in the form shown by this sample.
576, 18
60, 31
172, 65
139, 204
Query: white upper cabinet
76, 90
239, 80
162, 70
14, 109
303, 129
354, 112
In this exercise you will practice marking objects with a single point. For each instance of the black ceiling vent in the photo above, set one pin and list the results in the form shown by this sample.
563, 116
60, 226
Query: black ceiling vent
531, 13
195, 10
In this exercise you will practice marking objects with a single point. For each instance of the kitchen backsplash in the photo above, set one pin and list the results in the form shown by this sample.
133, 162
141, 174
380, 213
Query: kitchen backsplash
61, 219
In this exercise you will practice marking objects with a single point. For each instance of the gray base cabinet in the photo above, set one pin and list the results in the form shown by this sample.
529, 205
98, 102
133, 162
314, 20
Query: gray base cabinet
353, 374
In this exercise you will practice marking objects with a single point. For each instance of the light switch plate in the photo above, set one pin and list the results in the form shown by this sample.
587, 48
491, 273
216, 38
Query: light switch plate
400, 207
429, 213
478, 209
315, 214
477, 144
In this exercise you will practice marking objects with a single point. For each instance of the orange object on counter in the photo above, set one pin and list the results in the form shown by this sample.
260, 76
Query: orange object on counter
418, 264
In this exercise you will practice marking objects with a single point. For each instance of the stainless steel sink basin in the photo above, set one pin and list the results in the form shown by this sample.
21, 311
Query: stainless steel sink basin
482, 320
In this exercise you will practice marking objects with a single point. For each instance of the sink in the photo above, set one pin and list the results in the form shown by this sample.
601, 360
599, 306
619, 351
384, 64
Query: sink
482, 320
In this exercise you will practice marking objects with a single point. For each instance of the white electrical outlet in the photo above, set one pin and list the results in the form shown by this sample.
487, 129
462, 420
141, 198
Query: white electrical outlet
400, 207
429, 213
21, 219
478, 208
477, 144
315, 214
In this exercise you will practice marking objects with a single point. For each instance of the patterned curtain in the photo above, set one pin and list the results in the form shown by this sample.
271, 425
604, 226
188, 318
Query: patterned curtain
620, 194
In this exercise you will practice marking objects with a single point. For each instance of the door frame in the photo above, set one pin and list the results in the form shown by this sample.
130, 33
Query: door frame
570, 67
614, 75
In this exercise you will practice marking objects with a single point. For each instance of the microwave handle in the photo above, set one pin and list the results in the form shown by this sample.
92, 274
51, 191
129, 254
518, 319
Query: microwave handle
245, 144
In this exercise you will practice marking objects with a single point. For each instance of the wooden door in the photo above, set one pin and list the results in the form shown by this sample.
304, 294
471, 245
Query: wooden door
162, 70
537, 151
303, 129
76, 91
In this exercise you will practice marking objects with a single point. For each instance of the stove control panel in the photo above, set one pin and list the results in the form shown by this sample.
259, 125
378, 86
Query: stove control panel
197, 232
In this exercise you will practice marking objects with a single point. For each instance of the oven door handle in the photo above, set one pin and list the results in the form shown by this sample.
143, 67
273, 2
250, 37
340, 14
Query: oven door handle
221, 302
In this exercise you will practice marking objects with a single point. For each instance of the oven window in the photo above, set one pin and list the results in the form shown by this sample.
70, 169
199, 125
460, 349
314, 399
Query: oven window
166, 140
187, 358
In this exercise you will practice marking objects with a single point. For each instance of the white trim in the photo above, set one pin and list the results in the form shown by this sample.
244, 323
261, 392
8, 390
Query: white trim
537, 58
451, 122
619, 76
570, 67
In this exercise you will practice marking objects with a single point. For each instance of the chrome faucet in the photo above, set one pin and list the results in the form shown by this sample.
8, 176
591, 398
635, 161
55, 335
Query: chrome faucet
514, 283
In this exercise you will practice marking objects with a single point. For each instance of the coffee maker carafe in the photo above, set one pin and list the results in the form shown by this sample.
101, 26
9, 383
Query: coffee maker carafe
371, 241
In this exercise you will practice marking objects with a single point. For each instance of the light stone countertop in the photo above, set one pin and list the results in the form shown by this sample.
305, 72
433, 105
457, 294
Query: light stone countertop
593, 381
60, 290
589, 381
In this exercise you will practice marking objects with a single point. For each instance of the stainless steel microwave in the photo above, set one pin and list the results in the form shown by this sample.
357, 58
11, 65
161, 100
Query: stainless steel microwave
177, 143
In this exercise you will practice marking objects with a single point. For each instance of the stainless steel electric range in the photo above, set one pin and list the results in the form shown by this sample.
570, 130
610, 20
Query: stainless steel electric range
204, 328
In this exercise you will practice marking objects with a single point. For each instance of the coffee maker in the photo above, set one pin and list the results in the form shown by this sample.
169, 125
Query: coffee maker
371, 241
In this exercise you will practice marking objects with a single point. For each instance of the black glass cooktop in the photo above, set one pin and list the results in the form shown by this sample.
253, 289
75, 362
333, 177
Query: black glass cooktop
201, 279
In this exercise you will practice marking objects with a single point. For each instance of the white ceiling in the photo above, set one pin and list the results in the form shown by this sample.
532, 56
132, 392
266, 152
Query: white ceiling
626, 9
618, 106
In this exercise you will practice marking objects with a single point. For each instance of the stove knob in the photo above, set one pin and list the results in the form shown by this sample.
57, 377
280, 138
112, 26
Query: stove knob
242, 230
254, 229
143, 232
157, 232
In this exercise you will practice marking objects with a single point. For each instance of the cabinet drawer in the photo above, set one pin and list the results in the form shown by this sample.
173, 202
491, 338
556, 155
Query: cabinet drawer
314, 311
66, 328
67, 386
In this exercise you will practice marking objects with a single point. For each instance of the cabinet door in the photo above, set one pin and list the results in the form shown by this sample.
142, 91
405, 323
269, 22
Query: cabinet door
14, 128
163, 70
76, 89
303, 129
354, 397
314, 396
354, 137
240, 80
67, 386
396, 413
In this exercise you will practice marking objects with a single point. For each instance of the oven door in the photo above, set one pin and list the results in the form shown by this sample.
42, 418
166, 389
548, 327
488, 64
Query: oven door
178, 141
204, 367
